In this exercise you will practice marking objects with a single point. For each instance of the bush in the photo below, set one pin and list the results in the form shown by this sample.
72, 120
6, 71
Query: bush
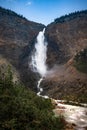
22, 109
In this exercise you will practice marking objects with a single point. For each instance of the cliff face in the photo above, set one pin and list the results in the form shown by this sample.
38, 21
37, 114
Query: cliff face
17, 36
66, 36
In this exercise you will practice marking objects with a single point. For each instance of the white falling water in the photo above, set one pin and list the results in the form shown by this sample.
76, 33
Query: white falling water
38, 86
39, 58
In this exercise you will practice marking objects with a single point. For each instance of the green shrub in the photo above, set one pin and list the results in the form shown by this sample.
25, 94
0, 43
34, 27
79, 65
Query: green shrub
22, 109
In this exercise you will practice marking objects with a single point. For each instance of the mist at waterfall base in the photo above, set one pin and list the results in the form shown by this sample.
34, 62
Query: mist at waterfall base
38, 59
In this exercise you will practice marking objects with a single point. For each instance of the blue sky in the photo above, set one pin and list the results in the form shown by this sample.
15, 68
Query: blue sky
44, 11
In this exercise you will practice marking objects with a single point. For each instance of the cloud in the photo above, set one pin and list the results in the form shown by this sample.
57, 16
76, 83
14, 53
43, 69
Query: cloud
29, 3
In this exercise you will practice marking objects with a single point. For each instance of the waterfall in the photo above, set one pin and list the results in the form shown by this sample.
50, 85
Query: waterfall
39, 57
38, 86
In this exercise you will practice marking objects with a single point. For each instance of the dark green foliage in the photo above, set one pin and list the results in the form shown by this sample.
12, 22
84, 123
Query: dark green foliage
80, 61
70, 16
22, 109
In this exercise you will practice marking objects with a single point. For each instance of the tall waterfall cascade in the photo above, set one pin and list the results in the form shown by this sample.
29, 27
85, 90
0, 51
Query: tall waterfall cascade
39, 57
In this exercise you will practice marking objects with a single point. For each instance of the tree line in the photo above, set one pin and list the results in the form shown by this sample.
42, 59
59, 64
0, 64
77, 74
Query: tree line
71, 16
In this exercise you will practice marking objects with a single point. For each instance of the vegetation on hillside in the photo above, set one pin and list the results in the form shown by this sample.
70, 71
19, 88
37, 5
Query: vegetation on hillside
80, 61
10, 12
22, 109
71, 16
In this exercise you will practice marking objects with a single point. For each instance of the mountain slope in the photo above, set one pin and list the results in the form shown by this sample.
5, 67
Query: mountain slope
66, 36
67, 39
17, 36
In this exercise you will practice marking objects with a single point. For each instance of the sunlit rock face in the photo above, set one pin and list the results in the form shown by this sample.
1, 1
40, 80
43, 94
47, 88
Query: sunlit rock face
66, 36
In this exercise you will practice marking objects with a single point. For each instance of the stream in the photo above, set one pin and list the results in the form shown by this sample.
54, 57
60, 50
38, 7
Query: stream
75, 115
72, 114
